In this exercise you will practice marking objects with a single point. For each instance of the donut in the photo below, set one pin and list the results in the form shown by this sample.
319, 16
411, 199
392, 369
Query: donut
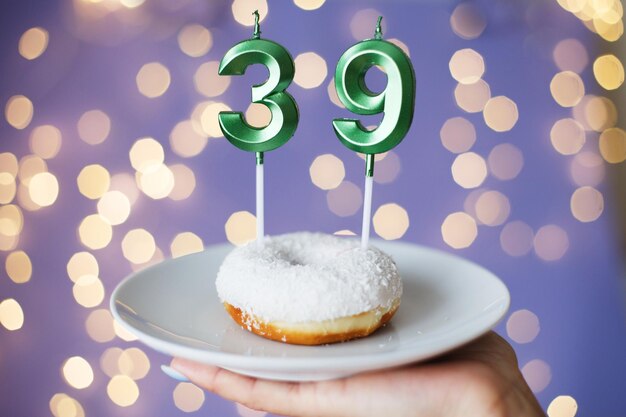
309, 288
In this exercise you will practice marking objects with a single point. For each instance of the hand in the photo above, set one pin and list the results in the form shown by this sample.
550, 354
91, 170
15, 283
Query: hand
480, 379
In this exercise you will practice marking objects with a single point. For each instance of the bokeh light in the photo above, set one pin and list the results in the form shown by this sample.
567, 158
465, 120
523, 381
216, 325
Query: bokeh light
570, 55
11, 314
45, 141
95, 232
505, 161
133, 362
242, 11
138, 246
114, 207
99, 326
567, 136
345, 200
459, 230
537, 374
187, 141
88, 291
609, 71
469, 170
43, 189
258, 115
388, 168
240, 228
613, 145
186, 243
467, 21
156, 181
77, 372
522, 326
467, 66
82, 263
551, 242
184, 182
327, 171
153, 79
311, 70
563, 406
188, 397
516, 238
207, 80
93, 181
30, 165
62, 405
492, 208
391, 221
472, 97
19, 111
18, 266
33, 43
208, 119
457, 135
309, 4
94, 126
122, 390
587, 204
195, 40
500, 113
567, 88
146, 153
587, 168
363, 23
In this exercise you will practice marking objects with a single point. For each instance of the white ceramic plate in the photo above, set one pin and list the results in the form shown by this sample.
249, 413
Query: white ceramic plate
173, 307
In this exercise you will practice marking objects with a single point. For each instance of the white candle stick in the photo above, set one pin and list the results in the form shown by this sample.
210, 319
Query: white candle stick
367, 212
260, 212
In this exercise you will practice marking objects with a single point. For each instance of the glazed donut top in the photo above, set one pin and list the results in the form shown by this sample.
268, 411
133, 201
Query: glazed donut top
303, 277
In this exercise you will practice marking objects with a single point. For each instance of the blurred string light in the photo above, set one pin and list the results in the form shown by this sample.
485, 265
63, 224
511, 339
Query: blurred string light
77, 372
472, 97
469, 170
458, 135
93, 181
587, 168
550, 242
516, 238
99, 326
95, 232
186, 243
138, 246
122, 390
208, 82
186, 141
500, 113
82, 263
388, 169
309, 4
601, 17
567, 136
242, 11
459, 230
467, 66
570, 55
153, 79
609, 71
522, 326
184, 182
88, 291
567, 88
258, 115
537, 374
505, 161
467, 21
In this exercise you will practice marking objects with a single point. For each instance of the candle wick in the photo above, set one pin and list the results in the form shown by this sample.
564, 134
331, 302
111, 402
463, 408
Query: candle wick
378, 34
257, 29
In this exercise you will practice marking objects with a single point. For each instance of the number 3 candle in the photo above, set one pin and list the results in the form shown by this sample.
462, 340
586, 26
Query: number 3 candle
396, 101
271, 94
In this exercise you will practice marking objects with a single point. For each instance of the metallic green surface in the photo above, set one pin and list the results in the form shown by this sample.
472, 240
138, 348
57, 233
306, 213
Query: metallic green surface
397, 101
271, 94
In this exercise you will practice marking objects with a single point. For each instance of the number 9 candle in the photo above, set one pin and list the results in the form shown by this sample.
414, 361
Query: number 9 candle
272, 94
396, 101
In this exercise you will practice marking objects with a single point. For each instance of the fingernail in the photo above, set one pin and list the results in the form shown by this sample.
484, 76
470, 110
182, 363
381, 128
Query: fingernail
172, 373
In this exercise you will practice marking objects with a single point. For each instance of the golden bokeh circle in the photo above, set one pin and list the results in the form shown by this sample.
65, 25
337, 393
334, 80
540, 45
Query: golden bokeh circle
94, 126
82, 263
242, 11
122, 390
153, 79
88, 291
472, 97
459, 230
11, 314
207, 80
467, 66
492, 208
43, 189
195, 40
19, 267
186, 243
563, 406
567, 136
500, 113
587, 168
609, 71
77, 372
457, 134
309, 4
467, 21
523, 326
188, 397
311, 70
95, 232
93, 181
469, 170
33, 43
184, 182
537, 374
146, 153
99, 326
114, 207
390, 221
138, 246
612, 145
567, 88
345, 200
186, 141
327, 171
586, 204
240, 228
551, 242
570, 55
19, 111
45, 141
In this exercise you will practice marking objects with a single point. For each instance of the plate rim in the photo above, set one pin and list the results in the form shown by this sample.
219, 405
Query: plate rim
306, 364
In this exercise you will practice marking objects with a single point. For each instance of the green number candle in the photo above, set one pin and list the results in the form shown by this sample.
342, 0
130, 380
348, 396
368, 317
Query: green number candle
396, 101
272, 94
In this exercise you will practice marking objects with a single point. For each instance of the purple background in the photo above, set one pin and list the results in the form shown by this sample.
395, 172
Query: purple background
578, 299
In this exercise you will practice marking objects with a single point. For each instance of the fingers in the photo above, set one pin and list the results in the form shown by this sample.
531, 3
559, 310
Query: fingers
284, 398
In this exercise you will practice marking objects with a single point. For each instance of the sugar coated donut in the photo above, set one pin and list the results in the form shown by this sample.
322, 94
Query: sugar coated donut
309, 288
